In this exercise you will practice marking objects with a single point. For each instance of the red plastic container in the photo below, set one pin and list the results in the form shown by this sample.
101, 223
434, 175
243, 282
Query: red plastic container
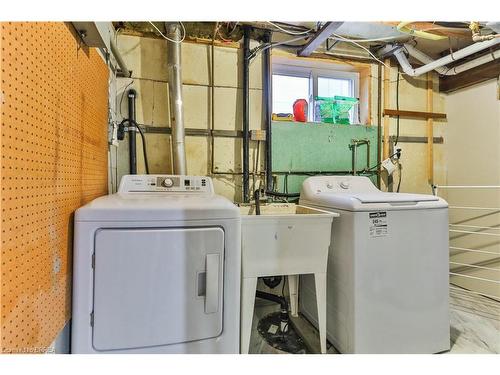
300, 110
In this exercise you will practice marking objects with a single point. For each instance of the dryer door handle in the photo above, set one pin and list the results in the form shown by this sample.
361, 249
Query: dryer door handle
212, 283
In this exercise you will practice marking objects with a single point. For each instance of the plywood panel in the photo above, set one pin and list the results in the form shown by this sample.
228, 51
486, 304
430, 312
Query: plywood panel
54, 159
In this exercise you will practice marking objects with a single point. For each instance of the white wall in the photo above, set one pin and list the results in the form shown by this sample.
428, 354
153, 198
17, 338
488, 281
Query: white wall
473, 158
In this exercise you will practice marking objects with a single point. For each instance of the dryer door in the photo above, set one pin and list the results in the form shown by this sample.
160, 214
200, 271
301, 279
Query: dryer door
157, 286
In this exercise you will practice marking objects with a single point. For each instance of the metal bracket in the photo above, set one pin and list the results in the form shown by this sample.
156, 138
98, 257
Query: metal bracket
320, 36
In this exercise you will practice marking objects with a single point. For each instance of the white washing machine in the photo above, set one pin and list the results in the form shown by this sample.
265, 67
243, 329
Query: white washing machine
387, 289
156, 269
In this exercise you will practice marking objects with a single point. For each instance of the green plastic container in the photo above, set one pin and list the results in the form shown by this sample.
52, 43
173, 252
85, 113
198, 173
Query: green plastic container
333, 110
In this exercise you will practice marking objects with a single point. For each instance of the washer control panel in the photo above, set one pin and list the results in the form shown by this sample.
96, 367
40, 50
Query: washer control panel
338, 184
165, 183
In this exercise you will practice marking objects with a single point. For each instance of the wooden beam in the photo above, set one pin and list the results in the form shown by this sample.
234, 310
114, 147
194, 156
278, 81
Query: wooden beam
387, 119
414, 139
470, 77
430, 131
413, 114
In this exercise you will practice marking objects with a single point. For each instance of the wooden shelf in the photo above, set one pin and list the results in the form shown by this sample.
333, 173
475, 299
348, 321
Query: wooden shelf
413, 114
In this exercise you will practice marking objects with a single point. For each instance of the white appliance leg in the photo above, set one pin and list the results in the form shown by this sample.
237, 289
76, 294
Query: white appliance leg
293, 288
248, 287
320, 284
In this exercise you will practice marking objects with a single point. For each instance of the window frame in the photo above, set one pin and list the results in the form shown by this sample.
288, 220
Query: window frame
313, 73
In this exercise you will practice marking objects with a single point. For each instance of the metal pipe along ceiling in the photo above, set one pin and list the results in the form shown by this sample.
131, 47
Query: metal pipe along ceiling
175, 96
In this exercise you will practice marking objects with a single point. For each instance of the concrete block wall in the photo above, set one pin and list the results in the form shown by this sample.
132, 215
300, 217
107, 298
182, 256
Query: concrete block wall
146, 57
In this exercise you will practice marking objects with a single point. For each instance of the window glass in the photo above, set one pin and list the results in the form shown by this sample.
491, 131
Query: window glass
330, 87
286, 90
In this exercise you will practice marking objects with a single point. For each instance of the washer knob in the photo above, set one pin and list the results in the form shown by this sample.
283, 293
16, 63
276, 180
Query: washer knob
168, 182
344, 184
329, 185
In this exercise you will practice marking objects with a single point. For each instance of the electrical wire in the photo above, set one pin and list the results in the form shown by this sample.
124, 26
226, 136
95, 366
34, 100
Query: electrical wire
288, 31
234, 28
217, 31
379, 164
262, 47
167, 38
400, 173
355, 42
373, 40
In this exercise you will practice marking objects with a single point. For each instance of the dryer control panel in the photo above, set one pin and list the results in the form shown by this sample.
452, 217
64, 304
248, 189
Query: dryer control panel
166, 183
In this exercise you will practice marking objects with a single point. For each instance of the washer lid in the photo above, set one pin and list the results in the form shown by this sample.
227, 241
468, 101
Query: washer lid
382, 197
355, 193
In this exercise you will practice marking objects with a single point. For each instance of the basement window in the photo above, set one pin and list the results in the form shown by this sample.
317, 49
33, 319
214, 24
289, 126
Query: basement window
305, 82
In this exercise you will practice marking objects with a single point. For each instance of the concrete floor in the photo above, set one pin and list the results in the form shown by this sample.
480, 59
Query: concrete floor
474, 325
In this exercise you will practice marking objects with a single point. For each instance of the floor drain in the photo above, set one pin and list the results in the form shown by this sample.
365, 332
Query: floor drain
289, 342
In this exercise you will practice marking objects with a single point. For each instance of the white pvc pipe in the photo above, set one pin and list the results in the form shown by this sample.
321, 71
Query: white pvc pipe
460, 54
422, 57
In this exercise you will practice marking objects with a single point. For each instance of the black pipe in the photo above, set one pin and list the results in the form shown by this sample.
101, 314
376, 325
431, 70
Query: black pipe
143, 138
246, 113
256, 197
278, 299
132, 132
267, 95
274, 298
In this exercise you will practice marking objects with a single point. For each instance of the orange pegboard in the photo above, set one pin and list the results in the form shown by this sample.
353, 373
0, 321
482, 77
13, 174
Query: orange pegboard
53, 160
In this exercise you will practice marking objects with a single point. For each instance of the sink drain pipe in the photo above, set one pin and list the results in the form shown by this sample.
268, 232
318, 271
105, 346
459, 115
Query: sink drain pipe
282, 302
267, 94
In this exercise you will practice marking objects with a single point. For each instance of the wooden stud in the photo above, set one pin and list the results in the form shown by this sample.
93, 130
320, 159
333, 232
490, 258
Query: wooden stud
387, 119
430, 131
413, 114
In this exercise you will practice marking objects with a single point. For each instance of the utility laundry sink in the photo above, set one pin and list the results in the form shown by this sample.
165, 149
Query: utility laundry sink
285, 239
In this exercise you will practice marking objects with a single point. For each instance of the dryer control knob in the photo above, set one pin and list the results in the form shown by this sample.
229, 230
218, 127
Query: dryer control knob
344, 185
168, 182
329, 185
